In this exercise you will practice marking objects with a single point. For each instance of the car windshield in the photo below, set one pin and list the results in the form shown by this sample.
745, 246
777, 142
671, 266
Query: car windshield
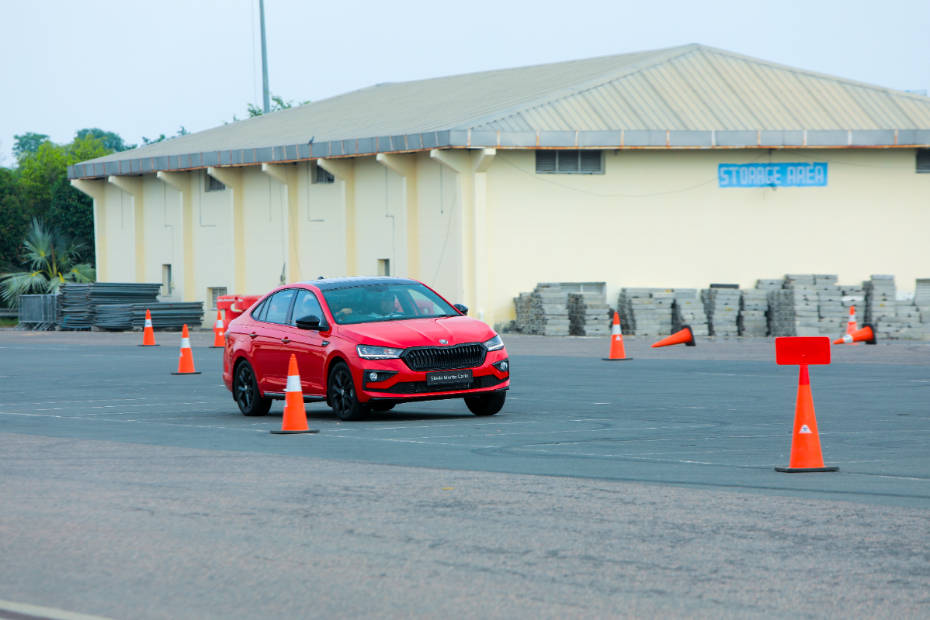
392, 301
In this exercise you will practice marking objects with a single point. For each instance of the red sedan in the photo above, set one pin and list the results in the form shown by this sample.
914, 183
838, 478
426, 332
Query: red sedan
363, 344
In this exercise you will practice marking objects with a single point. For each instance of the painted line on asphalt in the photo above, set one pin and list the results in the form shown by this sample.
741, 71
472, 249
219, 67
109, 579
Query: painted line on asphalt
24, 611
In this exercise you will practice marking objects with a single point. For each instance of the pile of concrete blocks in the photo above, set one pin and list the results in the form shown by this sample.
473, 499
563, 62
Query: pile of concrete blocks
833, 313
687, 309
721, 303
753, 312
543, 311
922, 300
892, 318
880, 293
588, 312
645, 311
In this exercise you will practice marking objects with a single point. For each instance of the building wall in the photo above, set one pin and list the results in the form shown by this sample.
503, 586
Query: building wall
652, 219
660, 219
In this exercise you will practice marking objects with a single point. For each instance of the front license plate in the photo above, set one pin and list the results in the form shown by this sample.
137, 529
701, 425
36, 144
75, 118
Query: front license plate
449, 377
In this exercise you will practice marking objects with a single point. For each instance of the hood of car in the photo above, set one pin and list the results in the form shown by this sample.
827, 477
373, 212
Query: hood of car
419, 332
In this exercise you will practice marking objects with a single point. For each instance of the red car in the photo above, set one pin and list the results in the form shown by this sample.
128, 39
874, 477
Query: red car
362, 344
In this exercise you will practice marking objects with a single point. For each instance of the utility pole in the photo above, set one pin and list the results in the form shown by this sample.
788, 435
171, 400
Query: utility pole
266, 97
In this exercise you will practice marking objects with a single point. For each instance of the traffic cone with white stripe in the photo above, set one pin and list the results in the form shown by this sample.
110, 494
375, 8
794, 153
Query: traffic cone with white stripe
617, 351
148, 332
866, 335
683, 336
805, 441
186, 359
851, 327
295, 414
219, 340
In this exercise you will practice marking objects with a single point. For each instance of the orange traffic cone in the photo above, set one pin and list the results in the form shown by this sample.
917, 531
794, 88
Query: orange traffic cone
148, 332
219, 340
866, 335
186, 360
805, 441
617, 352
851, 326
682, 336
295, 414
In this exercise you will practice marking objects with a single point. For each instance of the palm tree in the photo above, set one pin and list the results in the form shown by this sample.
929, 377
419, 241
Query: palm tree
51, 258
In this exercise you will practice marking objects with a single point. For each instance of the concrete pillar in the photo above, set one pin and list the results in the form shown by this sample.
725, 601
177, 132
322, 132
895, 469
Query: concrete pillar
232, 179
183, 182
286, 174
133, 187
96, 189
406, 167
344, 170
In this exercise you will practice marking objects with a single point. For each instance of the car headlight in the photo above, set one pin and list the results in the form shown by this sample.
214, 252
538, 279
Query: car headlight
369, 352
494, 344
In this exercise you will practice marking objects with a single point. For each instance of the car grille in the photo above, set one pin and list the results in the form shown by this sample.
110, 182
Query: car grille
445, 358
420, 387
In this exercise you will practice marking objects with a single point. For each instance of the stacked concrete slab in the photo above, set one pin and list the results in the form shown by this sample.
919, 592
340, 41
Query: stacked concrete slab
544, 311
753, 312
646, 311
588, 312
922, 300
721, 303
688, 309
895, 318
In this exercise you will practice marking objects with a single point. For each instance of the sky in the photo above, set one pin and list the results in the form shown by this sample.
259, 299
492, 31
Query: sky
146, 68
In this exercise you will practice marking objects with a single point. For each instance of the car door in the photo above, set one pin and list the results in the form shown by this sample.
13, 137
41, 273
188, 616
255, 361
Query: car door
270, 343
308, 344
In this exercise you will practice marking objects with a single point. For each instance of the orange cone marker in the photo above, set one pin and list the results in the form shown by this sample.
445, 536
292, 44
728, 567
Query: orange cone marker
851, 326
805, 440
295, 414
219, 340
683, 336
186, 359
617, 352
148, 332
866, 335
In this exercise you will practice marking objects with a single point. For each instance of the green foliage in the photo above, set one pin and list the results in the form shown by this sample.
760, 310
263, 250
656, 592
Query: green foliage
277, 103
13, 219
51, 258
161, 138
27, 143
111, 141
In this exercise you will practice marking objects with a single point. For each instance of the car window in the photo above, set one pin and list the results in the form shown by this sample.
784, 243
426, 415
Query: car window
278, 306
390, 301
305, 305
259, 312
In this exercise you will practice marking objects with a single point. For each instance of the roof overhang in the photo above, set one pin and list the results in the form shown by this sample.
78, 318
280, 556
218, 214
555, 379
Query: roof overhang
467, 138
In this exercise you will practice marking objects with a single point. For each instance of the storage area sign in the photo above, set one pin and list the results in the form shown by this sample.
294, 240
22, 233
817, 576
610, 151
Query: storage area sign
812, 174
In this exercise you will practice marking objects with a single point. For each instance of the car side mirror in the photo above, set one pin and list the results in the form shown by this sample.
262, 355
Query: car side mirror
461, 308
311, 321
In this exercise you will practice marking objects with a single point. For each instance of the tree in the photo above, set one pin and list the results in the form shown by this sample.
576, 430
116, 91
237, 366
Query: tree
50, 256
161, 138
110, 140
27, 143
277, 103
13, 219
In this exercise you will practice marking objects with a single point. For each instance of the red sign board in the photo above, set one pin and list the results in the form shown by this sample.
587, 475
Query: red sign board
795, 350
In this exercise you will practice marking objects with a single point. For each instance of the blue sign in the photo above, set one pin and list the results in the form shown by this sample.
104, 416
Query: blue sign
773, 175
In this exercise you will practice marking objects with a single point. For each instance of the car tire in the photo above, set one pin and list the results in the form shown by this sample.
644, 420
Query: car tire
246, 393
341, 394
486, 404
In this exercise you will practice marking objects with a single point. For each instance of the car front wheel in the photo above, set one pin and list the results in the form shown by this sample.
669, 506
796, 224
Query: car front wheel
341, 395
246, 392
486, 404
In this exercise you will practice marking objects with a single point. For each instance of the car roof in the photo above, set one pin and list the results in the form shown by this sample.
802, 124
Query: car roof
328, 284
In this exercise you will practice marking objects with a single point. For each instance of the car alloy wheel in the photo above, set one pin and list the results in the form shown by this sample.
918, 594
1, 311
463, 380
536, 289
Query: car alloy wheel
245, 391
341, 394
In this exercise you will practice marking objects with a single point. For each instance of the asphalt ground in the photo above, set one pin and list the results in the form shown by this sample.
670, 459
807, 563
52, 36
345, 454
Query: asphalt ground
635, 488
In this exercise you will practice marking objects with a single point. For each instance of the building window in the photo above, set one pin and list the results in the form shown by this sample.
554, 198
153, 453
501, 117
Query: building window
167, 286
569, 162
214, 293
384, 266
322, 176
923, 160
213, 185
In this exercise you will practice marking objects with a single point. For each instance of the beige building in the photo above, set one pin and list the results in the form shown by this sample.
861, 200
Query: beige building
676, 167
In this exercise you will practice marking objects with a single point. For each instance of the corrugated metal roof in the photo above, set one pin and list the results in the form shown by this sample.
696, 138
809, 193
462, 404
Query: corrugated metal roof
674, 92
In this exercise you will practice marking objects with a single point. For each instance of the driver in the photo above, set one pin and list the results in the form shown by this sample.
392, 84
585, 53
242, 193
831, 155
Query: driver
386, 304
